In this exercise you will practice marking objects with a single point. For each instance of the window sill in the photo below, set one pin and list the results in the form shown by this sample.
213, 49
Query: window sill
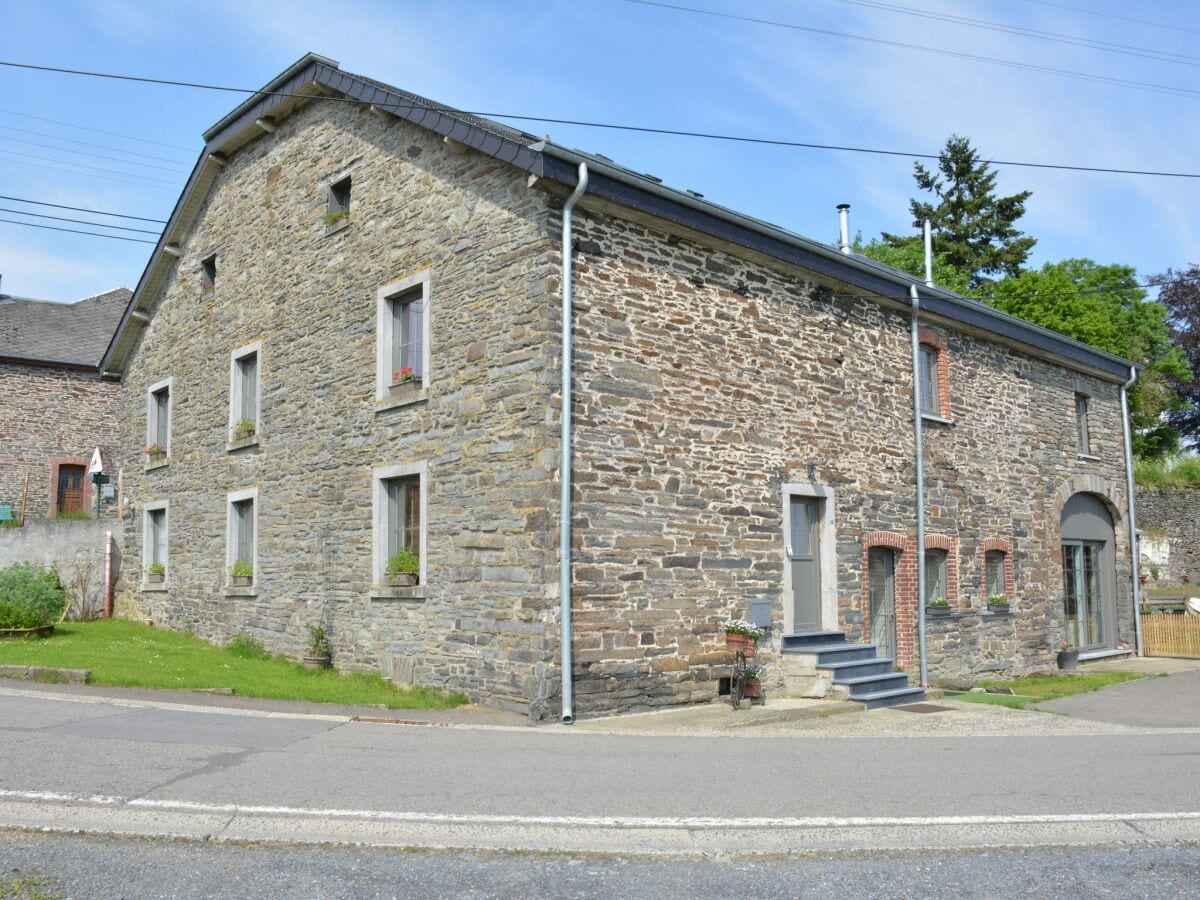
157, 588
242, 443
1088, 457
1103, 654
401, 395
393, 592
1007, 614
161, 464
335, 227
930, 417
231, 591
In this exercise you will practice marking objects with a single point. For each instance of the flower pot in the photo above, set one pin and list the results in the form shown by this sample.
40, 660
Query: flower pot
403, 390
999, 608
156, 577
753, 688
938, 612
317, 662
403, 579
242, 580
739, 643
1068, 659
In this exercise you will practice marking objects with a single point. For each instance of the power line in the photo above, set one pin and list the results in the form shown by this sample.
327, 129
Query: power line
21, 212
744, 139
111, 237
55, 137
94, 212
974, 57
128, 162
1072, 40
128, 137
67, 162
1092, 12
140, 184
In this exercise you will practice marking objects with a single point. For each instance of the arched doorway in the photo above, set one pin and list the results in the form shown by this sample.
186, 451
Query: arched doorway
1089, 573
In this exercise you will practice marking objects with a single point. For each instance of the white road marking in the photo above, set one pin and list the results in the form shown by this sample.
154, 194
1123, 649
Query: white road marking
685, 822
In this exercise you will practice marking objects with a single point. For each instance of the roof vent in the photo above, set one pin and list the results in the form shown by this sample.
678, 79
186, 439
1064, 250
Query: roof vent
844, 227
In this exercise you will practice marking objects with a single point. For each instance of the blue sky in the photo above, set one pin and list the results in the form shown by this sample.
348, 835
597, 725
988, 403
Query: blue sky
614, 61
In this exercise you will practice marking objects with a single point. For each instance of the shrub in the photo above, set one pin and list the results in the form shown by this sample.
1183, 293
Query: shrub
241, 569
406, 562
30, 596
241, 644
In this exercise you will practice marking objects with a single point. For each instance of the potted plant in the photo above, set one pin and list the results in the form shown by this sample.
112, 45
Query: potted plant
742, 637
156, 453
320, 653
938, 608
403, 568
244, 429
405, 382
1068, 656
335, 216
752, 682
156, 573
997, 603
241, 573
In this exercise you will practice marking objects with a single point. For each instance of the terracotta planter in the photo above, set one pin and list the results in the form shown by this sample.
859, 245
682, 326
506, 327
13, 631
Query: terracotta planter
1068, 660
242, 580
317, 662
739, 643
156, 577
753, 688
402, 580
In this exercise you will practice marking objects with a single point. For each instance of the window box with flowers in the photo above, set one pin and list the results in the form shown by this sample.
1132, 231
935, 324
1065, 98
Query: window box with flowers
403, 568
998, 605
406, 384
156, 455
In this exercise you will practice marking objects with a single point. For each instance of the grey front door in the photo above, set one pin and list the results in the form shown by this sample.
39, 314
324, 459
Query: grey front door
804, 562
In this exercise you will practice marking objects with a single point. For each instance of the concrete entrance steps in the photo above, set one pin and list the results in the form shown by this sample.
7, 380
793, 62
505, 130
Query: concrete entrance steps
851, 671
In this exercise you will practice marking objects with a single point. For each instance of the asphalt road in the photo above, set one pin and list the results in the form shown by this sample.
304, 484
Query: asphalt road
96, 765
1150, 702
86, 868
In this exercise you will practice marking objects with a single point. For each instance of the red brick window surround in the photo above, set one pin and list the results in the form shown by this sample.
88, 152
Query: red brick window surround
934, 350
950, 546
1002, 546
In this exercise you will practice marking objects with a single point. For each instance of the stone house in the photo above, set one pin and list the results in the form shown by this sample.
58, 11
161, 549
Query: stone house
55, 409
348, 343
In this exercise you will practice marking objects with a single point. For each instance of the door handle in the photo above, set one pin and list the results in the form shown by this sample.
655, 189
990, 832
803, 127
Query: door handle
789, 549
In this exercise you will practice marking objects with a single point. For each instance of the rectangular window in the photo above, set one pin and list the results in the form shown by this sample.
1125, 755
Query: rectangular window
339, 200
400, 518
244, 391
158, 421
241, 542
1083, 437
928, 366
208, 273
935, 575
154, 541
994, 575
403, 334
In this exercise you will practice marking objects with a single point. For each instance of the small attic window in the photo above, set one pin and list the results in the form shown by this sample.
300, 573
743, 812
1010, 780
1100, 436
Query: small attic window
208, 273
338, 208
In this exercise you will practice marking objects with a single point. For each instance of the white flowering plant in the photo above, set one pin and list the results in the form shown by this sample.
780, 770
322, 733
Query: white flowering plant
744, 628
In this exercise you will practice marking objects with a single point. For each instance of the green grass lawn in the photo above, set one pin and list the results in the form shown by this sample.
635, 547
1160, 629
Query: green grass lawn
132, 655
1051, 687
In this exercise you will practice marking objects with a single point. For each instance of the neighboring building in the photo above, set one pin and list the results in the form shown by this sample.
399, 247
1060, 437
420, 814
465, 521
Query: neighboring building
347, 342
55, 409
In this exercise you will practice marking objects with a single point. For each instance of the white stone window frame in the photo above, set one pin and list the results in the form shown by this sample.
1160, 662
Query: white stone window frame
230, 536
828, 542
235, 388
152, 412
147, 538
384, 333
379, 524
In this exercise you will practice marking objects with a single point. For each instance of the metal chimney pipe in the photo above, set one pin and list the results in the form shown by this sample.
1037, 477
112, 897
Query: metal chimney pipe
928, 252
844, 227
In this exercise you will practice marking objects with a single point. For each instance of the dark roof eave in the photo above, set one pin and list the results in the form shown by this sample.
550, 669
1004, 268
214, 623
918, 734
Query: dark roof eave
40, 362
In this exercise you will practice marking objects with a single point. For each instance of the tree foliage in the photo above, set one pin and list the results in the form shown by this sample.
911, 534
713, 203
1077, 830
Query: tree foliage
910, 258
1106, 307
975, 229
1179, 292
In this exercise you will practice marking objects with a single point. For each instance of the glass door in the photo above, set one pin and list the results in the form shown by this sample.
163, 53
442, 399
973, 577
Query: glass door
1083, 599
881, 578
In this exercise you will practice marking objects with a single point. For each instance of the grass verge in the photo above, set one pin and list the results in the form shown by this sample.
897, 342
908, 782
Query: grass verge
127, 654
1037, 690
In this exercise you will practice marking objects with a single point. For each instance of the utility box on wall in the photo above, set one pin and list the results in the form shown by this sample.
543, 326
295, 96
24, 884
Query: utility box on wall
760, 613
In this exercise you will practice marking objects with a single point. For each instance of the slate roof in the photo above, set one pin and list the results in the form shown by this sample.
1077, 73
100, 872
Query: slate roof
40, 331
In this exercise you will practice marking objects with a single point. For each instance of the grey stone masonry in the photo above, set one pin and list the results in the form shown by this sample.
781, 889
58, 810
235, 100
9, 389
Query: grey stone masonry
1169, 518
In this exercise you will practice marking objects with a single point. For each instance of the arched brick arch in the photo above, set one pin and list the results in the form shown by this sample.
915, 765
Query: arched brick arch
1110, 492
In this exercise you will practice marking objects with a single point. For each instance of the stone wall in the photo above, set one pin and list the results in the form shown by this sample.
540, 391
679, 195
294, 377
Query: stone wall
706, 382
50, 415
75, 549
485, 621
1169, 518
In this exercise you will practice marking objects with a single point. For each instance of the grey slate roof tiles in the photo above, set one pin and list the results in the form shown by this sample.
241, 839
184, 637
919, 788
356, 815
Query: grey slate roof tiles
75, 333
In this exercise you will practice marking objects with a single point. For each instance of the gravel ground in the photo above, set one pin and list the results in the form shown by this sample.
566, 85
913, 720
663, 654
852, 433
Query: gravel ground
80, 867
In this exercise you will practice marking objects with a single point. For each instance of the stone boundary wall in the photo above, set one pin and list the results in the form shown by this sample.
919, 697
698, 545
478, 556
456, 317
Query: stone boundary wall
1169, 518
75, 549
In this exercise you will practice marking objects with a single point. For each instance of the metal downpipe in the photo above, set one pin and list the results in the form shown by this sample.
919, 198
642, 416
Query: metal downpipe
564, 502
915, 300
1134, 550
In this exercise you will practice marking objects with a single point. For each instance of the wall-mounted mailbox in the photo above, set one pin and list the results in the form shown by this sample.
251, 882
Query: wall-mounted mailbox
760, 613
